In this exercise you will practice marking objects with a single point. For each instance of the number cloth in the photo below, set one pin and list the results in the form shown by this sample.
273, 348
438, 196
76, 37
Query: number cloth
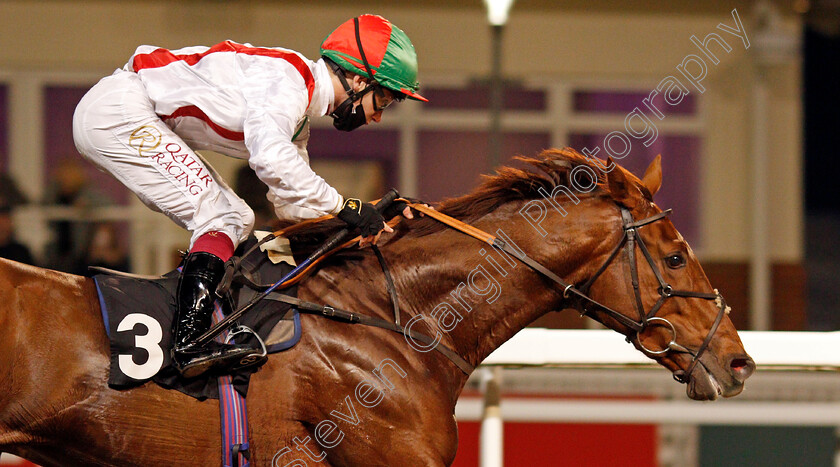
138, 319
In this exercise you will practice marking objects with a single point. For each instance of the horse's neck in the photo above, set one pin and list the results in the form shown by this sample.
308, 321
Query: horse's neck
482, 296
473, 296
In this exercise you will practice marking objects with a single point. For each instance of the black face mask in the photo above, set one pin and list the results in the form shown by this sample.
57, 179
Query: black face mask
347, 117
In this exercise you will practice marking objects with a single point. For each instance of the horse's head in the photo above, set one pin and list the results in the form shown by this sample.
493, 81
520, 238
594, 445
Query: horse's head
591, 231
647, 283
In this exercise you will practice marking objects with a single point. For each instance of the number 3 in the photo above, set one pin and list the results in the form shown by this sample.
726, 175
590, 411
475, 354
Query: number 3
150, 342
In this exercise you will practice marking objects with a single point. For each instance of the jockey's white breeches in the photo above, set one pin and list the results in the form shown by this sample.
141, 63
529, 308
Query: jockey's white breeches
116, 128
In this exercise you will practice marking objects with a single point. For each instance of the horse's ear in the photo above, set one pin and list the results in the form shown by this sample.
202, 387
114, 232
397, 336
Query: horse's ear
622, 189
653, 175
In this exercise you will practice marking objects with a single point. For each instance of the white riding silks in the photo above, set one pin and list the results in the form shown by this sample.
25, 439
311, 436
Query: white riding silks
143, 123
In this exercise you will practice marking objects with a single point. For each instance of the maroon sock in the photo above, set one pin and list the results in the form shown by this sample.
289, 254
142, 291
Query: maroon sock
216, 243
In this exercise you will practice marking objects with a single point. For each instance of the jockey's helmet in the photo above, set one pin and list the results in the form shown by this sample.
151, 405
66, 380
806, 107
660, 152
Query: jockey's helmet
372, 43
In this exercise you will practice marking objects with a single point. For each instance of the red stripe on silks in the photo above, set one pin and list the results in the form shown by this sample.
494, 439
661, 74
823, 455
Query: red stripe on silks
195, 112
162, 57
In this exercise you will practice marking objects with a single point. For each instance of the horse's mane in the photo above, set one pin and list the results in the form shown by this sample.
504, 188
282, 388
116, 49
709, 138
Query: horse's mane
547, 170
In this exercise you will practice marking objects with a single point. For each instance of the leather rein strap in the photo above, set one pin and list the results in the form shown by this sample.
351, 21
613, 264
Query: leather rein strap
630, 239
355, 318
389, 283
568, 289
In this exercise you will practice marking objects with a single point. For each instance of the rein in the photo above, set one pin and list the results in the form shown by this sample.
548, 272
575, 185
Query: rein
630, 239
338, 314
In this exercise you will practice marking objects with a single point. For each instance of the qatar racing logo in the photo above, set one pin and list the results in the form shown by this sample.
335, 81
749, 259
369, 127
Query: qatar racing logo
181, 166
185, 167
145, 139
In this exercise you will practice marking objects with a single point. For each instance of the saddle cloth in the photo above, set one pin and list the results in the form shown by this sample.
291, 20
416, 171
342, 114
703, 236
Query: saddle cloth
138, 316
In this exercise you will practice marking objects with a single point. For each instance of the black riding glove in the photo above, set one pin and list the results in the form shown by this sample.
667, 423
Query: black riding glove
362, 216
397, 207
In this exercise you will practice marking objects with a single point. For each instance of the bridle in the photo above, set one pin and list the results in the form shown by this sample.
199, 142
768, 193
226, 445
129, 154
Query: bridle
590, 306
649, 319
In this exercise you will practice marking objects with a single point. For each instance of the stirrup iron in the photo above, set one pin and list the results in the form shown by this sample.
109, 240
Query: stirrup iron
251, 359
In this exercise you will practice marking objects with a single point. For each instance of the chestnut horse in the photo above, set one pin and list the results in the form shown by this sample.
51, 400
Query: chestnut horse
360, 395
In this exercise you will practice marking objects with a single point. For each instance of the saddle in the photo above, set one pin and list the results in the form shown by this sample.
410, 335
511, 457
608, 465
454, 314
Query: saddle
138, 310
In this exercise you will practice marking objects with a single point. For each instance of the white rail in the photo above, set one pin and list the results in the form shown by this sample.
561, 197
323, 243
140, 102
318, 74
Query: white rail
804, 353
602, 348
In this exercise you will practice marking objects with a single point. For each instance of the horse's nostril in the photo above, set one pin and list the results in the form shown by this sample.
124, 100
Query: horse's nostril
742, 368
738, 363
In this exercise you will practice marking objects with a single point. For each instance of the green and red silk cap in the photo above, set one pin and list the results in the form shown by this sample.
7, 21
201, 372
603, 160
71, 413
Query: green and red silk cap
388, 50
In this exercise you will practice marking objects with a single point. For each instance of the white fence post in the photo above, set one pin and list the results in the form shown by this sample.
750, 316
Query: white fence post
492, 426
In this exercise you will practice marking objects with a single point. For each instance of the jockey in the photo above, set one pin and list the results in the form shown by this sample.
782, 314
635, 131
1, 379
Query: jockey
143, 124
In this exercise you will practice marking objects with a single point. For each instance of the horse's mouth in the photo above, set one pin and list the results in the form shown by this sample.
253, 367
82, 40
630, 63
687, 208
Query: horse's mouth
704, 386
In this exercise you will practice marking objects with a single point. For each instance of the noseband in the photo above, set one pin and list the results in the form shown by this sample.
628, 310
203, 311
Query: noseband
589, 306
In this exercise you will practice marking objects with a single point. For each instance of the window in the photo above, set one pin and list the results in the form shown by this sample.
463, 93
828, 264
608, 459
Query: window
598, 113
82, 235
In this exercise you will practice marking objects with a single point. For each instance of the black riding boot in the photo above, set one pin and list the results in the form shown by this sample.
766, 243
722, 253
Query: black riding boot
200, 275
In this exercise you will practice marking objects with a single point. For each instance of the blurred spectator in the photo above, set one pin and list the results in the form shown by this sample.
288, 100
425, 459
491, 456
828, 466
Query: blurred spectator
104, 249
70, 187
9, 247
10, 195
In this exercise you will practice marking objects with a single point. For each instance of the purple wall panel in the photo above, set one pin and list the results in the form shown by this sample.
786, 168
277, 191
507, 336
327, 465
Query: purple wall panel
478, 98
625, 102
681, 163
4, 128
365, 144
451, 162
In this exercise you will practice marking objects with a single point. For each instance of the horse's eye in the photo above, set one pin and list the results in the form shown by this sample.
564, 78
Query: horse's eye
675, 261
